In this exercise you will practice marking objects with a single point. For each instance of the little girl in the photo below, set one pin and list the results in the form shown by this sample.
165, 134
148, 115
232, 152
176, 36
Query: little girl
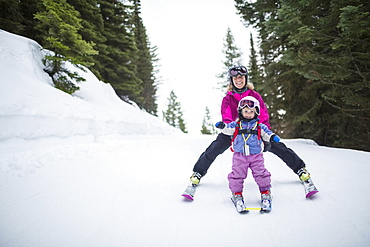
248, 136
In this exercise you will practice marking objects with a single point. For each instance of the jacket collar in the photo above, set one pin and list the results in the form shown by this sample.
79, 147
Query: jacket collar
238, 96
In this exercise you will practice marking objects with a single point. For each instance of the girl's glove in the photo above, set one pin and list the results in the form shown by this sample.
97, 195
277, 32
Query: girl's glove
274, 138
220, 125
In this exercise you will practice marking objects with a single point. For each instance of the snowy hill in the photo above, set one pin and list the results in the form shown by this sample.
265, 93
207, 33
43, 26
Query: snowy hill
33, 108
91, 170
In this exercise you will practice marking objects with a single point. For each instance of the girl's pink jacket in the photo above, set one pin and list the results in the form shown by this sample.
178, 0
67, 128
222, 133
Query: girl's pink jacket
229, 106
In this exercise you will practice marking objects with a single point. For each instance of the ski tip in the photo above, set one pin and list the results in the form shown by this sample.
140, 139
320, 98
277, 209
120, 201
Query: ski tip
311, 193
264, 211
188, 197
244, 212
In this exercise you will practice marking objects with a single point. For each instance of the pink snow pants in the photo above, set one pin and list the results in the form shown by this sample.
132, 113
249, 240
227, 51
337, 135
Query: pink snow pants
239, 172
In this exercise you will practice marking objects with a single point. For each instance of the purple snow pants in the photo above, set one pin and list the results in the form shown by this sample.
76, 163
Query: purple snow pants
239, 172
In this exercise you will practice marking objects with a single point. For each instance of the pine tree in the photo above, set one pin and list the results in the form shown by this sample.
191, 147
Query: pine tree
145, 63
92, 30
119, 51
181, 121
255, 73
173, 115
170, 115
232, 57
18, 17
28, 9
256, 14
316, 59
59, 24
10, 16
207, 125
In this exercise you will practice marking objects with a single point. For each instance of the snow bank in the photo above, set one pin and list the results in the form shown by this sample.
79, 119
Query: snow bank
30, 107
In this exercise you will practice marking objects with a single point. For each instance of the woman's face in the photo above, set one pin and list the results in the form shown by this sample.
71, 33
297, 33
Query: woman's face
239, 81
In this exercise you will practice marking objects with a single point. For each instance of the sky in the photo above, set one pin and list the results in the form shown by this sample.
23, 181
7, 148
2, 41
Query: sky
91, 170
189, 35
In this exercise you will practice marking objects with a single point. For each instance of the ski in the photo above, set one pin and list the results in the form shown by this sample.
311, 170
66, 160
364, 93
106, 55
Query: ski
239, 206
190, 191
309, 188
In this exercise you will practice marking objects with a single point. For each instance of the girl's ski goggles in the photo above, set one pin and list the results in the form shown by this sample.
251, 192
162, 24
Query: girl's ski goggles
240, 70
244, 103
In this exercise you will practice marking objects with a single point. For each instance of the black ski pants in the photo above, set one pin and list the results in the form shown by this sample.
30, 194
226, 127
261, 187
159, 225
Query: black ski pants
223, 142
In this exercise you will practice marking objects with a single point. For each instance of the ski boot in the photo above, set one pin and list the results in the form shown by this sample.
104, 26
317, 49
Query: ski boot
303, 174
266, 200
237, 199
309, 187
192, 187
195, 178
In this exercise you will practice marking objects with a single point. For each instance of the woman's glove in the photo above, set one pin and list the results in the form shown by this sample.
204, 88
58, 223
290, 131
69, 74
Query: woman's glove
220, 125
274, 138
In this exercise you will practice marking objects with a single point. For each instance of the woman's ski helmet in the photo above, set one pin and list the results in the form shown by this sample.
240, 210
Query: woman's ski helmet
238, 70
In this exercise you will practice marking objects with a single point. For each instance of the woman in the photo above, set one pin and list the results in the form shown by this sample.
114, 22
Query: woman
238, 89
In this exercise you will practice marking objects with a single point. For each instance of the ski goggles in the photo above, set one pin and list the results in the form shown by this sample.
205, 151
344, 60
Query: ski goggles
239, 70
249, 103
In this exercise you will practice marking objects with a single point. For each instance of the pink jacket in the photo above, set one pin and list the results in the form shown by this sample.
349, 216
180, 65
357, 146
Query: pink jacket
229, 106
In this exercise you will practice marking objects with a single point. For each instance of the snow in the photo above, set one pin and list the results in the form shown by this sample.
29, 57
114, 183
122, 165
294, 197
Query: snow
91, 170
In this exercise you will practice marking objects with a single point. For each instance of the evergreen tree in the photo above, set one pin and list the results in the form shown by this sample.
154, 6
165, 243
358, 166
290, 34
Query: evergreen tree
256, 14
59, 24
204, 129
181, 121
28, 9
10, 16
145, 63
255, 74
170, 115
207, 125
316, 59
232, 57
119, 51
92, 31
333, 57
173, 115
17, 16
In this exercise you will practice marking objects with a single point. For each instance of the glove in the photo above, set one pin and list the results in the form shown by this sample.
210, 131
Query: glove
220, 125
274, 138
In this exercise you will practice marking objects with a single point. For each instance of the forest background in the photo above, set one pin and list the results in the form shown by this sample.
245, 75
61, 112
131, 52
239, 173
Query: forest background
311, 64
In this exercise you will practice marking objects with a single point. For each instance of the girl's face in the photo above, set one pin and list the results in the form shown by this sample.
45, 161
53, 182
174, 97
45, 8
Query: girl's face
239, 81
248, 113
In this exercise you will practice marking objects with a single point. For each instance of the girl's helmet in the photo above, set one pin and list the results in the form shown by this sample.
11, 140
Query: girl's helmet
250, 102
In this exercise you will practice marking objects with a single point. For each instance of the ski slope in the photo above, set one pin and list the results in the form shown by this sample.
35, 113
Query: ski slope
91, 170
